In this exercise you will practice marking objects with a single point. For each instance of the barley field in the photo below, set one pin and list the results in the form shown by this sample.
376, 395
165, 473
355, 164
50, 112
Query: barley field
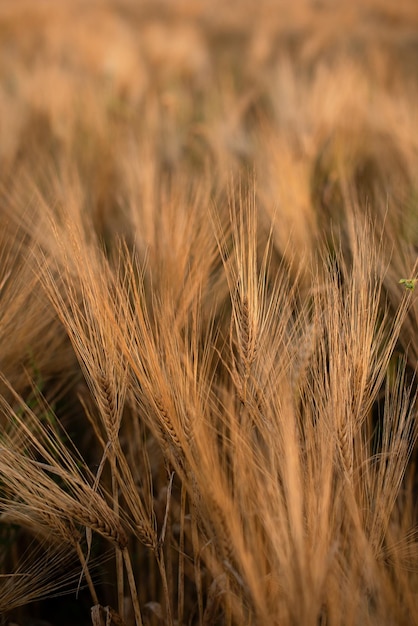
208, 313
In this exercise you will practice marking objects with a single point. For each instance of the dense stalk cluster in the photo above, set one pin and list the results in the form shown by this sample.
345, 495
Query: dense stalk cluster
208, 313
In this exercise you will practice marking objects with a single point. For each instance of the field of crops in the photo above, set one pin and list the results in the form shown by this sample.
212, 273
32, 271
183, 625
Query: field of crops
208, 313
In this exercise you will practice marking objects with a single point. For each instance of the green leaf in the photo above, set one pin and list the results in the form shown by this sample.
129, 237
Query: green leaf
409, 283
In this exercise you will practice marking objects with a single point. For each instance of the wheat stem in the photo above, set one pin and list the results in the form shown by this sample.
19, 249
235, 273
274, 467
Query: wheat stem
132, 587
